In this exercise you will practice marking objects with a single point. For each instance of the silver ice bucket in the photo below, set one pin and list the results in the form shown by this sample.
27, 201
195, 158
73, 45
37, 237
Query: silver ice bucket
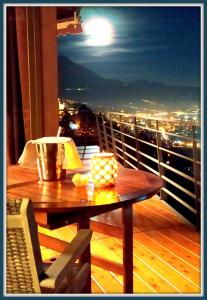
50, 158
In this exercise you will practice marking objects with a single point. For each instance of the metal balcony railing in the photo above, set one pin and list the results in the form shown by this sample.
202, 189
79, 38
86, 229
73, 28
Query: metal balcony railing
167, 148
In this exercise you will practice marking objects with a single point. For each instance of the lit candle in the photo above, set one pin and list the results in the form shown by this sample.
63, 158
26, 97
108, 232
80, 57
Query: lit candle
104, 169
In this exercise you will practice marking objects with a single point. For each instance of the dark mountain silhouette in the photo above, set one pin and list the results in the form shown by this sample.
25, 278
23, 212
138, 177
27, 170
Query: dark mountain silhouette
79, 83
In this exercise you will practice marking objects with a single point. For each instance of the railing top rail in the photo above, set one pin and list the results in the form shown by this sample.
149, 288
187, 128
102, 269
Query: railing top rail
147, 118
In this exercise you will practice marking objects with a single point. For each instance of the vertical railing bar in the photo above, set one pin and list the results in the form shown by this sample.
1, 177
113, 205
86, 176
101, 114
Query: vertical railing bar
137, 144
161, 169
112, 136
99, 132
122, 141
105, 135
196, 175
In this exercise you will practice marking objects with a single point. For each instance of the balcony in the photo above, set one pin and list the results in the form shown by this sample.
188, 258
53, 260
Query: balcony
166, 242
167, 254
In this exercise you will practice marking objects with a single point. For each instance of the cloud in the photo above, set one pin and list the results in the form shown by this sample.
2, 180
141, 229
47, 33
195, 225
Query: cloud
111, 51
118, 50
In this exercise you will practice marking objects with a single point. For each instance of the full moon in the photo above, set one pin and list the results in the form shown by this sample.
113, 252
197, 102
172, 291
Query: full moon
99, 32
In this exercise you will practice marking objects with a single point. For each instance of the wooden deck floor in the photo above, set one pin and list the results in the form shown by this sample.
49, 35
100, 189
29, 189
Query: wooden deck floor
166, 252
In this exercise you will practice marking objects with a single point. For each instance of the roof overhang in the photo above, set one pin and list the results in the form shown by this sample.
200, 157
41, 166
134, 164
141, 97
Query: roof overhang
68, 20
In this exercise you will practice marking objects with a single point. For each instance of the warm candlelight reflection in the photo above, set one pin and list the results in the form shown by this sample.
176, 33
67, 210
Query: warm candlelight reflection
105, 196
101, 195
104, 169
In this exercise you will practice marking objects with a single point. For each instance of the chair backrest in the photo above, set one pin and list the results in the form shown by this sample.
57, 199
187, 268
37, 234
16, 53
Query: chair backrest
23, 257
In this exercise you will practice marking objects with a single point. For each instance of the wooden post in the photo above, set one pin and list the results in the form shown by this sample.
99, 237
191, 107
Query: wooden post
49, 67
37, 53
29, 54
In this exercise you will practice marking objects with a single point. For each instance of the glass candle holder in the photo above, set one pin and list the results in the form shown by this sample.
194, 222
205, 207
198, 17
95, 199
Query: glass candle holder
104, 169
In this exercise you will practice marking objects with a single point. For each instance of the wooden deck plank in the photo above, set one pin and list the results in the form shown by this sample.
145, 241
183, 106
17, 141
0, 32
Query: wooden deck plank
178, 280
96, 288
143, 270
145, 218
182, 240
140, 286
174, 247
99, 248
107, 281
169, 257
159, 207
151, 219
188, 231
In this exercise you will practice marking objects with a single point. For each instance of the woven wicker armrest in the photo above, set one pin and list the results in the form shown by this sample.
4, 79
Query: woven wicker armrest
64, 264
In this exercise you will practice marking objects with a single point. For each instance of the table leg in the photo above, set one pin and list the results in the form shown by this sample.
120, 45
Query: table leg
86, 256
127, 220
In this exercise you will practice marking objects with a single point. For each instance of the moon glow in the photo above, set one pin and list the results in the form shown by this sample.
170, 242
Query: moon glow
99, 32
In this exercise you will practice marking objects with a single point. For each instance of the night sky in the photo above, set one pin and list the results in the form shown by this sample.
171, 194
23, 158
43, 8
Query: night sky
159, 44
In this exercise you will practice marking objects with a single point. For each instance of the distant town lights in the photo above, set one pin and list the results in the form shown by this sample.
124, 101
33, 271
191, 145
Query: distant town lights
61, 106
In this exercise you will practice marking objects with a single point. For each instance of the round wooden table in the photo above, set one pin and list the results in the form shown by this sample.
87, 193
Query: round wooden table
58, 203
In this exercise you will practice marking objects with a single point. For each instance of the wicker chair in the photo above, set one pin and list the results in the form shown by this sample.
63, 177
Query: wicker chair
25, 271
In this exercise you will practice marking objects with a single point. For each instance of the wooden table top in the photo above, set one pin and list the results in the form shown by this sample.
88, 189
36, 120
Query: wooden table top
56, 197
